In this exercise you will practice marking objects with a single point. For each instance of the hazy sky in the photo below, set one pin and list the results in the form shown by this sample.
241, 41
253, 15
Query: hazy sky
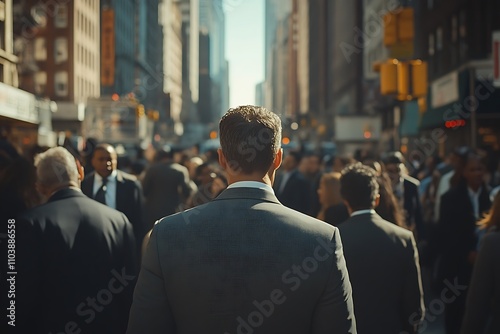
244, 48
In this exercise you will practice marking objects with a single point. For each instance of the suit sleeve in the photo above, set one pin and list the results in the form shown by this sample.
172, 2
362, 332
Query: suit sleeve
481, 288
150, 312
412, 307
334, 312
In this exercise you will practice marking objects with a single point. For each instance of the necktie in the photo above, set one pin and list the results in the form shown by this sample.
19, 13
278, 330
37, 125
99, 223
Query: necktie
100, 195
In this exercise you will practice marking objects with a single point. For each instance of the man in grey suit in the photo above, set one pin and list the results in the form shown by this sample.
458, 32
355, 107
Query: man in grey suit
382, 260
244, 263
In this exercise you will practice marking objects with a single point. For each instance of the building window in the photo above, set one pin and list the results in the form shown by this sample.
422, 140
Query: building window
61, 18
40, 82
439, 39
431, 45
454, 29
61, 83
40, 49
60, 50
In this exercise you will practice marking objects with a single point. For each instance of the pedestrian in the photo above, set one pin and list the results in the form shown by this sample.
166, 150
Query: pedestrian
244, 262
115, 188
76, 258
382, 260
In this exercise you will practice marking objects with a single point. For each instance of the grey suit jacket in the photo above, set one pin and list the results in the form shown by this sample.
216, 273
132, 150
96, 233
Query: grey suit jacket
243, 263
383, 265
482, 312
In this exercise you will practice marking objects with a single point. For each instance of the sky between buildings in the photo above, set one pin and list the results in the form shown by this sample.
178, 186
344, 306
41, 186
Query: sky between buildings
244, 48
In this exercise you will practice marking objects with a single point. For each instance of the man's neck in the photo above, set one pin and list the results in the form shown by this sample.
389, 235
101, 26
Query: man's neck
249, 177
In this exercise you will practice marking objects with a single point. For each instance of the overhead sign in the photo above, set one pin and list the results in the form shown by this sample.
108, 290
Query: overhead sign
496, 58
444, 90
108, 47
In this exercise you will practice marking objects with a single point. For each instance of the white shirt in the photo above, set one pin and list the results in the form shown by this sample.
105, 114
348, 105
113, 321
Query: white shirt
252, 184
362, 212
110, 188
474, 198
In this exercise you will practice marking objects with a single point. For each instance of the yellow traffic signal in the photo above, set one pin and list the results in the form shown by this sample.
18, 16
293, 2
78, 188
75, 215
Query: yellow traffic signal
390, 29
139, 111
405, 25
403, 81
418, 78
388, 77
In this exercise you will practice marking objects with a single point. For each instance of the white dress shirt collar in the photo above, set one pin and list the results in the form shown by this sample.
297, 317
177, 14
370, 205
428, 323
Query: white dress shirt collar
251, 184
362, 212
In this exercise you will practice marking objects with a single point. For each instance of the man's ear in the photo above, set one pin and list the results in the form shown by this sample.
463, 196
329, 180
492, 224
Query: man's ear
377, 201
81, 172
278, 159
222, 159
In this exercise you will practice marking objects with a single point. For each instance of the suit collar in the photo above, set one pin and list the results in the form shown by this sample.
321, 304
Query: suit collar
65, 193
247, 193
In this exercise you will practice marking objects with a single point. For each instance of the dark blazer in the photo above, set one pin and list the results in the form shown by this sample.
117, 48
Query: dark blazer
128, 199
336, 214
76, 265
166, 186
382, 260
296, 193
242, 262
413, 206
483, 299
457, 233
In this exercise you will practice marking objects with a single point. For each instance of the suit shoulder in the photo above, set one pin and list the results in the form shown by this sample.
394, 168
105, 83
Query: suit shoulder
411, 181
128, 177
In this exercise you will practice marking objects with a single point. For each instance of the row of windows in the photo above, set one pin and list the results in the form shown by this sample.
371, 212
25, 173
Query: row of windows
86, 57
60, 49
60, 83
85, 88
86, 25
456, 30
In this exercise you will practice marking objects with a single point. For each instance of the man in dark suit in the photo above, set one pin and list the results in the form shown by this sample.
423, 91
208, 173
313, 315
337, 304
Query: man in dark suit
292, 188
382, 260
76, 258
166, 187
461, 207
115, 188
244, 262
405, 189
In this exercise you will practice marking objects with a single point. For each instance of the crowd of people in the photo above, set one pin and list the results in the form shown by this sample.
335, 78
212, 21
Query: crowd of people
244, 245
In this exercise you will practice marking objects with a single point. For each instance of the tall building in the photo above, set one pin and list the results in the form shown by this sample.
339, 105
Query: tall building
171, 19
64, 64
276, 11
25, 120
212, 21
455, 38
118, 47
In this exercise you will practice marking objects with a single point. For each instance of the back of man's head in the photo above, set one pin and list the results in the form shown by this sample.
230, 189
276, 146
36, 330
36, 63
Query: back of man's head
359, 186
56, 168
250, 138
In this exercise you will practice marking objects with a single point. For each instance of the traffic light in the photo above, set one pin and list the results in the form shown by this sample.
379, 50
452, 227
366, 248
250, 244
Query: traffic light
399, 27
390, 29
388, 77
403, 81
405, 25
418, 78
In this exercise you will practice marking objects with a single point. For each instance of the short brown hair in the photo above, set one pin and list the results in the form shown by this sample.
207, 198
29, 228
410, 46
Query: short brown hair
250, 138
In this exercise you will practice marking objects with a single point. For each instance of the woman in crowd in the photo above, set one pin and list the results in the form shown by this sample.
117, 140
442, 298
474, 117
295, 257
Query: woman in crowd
333, 210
